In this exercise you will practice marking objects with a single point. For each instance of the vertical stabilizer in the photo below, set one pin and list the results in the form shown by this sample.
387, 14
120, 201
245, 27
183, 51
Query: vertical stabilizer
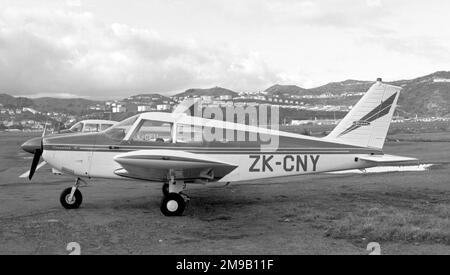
368, 121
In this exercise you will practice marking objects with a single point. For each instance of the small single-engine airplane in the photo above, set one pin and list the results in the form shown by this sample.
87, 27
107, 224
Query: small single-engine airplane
160, 147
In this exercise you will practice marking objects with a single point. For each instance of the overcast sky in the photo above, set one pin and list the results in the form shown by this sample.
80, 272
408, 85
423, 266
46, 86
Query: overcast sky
112, 49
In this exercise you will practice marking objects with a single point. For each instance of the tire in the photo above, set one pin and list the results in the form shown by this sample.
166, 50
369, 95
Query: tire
165, 189
76, 200
173, 205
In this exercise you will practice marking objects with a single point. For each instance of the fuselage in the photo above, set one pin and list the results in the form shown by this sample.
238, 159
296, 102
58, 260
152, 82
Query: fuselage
92, 155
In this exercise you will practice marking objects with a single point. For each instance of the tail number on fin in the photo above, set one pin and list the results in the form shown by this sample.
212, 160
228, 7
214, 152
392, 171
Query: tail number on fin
287, 163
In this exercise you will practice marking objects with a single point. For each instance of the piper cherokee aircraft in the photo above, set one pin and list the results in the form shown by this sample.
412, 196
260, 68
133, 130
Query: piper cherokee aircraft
155, 147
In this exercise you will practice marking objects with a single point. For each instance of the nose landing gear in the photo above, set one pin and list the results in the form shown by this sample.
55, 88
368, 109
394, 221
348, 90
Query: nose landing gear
71, 198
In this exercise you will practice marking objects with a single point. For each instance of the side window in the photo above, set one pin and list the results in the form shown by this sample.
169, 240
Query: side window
120, 130
153, 131
77, 127
90, 128
198, 134
189, 134
103, 127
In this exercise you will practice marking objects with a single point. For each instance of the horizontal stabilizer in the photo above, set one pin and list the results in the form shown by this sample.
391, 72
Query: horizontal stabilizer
388, 159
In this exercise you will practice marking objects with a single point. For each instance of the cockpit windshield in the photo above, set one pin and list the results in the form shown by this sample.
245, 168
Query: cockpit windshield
77, 127
120, 130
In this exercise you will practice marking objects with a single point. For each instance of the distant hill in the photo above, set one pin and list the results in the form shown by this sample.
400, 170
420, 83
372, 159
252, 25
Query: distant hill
424, 96
15, 102
216, 91
153, 97
66, 105
427, 95
347, 86
285, 90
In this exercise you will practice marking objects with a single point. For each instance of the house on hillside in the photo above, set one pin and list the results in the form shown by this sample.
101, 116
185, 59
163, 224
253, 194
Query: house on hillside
144, 108
118, 109
163, 107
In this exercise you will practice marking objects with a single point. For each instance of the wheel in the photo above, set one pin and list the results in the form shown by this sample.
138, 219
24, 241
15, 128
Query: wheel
173, 205
77, 199
165, 189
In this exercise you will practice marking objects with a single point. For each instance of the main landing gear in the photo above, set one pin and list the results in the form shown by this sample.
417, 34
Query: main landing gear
71, 197
174, 200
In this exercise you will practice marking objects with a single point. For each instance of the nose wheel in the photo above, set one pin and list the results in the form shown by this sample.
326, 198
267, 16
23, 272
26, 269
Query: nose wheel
71, 197
71, 202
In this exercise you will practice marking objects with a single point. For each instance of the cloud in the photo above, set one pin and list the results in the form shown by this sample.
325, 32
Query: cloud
426, 47
373, 3
71, 52
318, 13
74, 3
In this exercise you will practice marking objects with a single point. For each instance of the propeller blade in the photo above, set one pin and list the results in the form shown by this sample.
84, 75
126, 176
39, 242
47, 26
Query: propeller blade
45, 130
27, 173
34, 164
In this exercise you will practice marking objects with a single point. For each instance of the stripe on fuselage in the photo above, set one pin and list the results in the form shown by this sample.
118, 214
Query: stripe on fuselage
212, 150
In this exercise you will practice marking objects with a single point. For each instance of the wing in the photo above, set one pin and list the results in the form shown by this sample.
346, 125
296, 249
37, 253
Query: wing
155, 164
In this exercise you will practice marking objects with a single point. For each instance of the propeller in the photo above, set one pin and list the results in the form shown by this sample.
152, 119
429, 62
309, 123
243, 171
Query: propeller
34, 164
27, 173
34, 146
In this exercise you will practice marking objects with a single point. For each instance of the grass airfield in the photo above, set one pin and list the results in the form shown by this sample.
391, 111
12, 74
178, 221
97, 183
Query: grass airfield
406, 212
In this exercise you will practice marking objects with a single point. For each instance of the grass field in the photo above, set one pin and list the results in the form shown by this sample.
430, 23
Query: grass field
407, 213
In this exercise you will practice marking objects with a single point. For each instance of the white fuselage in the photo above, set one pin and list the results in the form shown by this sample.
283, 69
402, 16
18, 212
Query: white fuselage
93, 156
250, 167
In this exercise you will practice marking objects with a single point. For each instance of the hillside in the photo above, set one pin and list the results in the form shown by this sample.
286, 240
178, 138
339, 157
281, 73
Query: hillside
424, 96
146, 97
15, 102
428, 95
65, 105
285, 90
216, 91
347, 86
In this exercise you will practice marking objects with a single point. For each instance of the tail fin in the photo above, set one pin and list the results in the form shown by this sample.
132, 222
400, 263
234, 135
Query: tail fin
367, 123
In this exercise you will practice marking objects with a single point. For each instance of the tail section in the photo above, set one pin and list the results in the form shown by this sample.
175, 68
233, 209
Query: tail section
367, 123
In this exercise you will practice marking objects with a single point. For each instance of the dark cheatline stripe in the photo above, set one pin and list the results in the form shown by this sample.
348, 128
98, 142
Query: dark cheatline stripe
378, 112
209, 151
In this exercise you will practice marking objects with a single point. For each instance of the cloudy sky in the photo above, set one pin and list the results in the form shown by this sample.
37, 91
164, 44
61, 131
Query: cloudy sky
112, 49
